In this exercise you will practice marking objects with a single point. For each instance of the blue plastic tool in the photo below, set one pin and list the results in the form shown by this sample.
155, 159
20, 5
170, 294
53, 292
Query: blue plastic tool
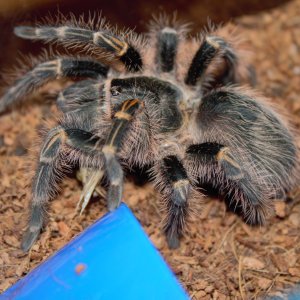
295, 294
111, 259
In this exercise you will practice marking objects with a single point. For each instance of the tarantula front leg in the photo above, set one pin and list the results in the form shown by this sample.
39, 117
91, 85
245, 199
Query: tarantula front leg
50, 70
112, 146
104, 39
45, 184
82, 100
176, 192
110, 150
52, 162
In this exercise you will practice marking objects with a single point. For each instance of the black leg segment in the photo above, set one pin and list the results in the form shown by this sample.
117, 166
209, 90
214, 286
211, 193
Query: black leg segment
177, 200
225, 170
203, 57
83, 97
45, 184
132, 59
52, 165
82, 68
70, 36
167, 43
47, 71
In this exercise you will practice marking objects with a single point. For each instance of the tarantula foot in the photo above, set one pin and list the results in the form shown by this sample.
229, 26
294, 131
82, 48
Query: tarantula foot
173, 239
29, 238
90, 179
114, 197
34, 227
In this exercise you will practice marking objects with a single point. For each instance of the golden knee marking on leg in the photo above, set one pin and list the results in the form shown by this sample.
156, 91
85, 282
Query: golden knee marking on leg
130, 103
61, 32
109, 149
181, 186
123, 115
111, 142
180, 183
119, 46
58, 68
213, 43
52, 65
223, 154
58, 135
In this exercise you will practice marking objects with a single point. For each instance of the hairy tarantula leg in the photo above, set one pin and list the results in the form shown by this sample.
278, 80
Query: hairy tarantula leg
90, 179
229, 74
45, 184
177, 205
201, 60
212, 47
248, 194
80, 97
167, 43
50, 172
112, 145
117, 46
50, 70
229, 164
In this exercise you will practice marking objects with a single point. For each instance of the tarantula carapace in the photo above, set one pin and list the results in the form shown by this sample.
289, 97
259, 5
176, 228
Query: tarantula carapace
165, 101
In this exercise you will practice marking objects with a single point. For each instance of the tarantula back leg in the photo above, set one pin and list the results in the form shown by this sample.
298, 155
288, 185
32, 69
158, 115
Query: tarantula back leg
104, 39
226, 171
112, 145
211, 48
167, 43
201, 60
50, 70
176, 193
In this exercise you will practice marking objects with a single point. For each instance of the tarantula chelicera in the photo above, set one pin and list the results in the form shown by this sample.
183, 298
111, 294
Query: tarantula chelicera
165, 101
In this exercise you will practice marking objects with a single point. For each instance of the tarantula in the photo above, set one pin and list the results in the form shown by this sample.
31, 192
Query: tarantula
163, 100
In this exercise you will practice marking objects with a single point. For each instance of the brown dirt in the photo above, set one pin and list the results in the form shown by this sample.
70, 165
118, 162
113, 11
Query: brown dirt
221, 257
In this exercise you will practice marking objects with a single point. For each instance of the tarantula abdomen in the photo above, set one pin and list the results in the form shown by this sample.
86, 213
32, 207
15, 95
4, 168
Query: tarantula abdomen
249, 153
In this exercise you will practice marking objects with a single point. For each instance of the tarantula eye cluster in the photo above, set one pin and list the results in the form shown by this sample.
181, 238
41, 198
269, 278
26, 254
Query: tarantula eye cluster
164, 102
116, 90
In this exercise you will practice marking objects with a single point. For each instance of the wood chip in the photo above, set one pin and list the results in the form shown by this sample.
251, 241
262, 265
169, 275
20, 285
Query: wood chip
11, 241
199, 295
22, 267
295, 271
264, 283
63, 228
279, 262
280, 208
295, 219
201, 284
252, 263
